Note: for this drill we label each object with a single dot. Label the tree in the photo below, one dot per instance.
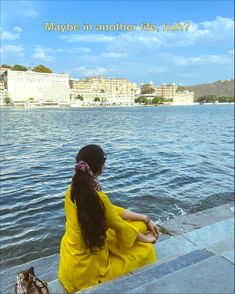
(79, 97)
(102, 90)
(181, 89)
(157, 100)
(19, 67)
(7, 100)
(225, 99)
(6, 66)
(168, 100)
(141, 99)
(31, 99)
(97, 99)
(150, 90)
(42, 68)
(214, 98)
(208, 99)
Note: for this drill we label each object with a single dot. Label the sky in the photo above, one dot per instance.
(202, 52)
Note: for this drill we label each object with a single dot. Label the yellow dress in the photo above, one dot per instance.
(79, 268)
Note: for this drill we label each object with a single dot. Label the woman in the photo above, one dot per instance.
(102, 241)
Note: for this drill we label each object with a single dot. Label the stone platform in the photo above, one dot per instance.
(195, 255)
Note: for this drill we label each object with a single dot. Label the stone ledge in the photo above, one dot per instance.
(187, 223)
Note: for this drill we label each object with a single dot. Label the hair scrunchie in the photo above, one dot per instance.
(84, 167)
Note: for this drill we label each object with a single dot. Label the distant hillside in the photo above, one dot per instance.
(219, 88)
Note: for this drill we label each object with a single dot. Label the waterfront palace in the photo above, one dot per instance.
(35, 89)
(110, 91)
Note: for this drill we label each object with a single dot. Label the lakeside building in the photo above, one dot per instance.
(167, 91)
(36, 88)
(110, 91)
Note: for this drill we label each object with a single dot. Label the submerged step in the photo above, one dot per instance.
(200, 219)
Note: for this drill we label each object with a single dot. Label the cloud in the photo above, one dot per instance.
(207, 32)
(29, 8)
(7, 50)
(80, 50)
(219, 25)
(42, 54)
(113, 55)
(10, 36)
(204, 59)
(18, 29)
(18, 11)
(215, 31)
(89, 71)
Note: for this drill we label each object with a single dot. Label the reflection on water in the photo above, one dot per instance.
(165, 161)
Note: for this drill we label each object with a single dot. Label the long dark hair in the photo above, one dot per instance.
(90, 208)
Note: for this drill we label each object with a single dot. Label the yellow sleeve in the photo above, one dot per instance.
(126, 233)
(120, 210)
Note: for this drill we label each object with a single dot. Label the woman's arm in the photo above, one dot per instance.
(130, 215)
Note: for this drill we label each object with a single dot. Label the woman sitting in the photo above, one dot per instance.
(102, 241)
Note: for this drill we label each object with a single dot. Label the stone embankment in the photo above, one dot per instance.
(195, 255)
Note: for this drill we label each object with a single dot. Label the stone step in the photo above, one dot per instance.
(172, 248)
(216, 238)
(168, 248)
(45, 269)
(211, 275)
(222, 246)
(200, 219)
(55, 287)
(208, 235)
(211, 237)
(229, 255)
(148, 275)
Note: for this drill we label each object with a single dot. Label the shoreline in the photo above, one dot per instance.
(114, 106)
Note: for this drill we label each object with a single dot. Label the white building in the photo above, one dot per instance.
(47, 88)
(184, 97)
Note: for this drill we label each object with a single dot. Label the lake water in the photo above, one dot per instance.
(165, 161)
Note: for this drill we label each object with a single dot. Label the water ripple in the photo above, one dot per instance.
(164, 161)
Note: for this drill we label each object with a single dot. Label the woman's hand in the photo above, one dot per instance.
(151, 238)
(153, 228)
